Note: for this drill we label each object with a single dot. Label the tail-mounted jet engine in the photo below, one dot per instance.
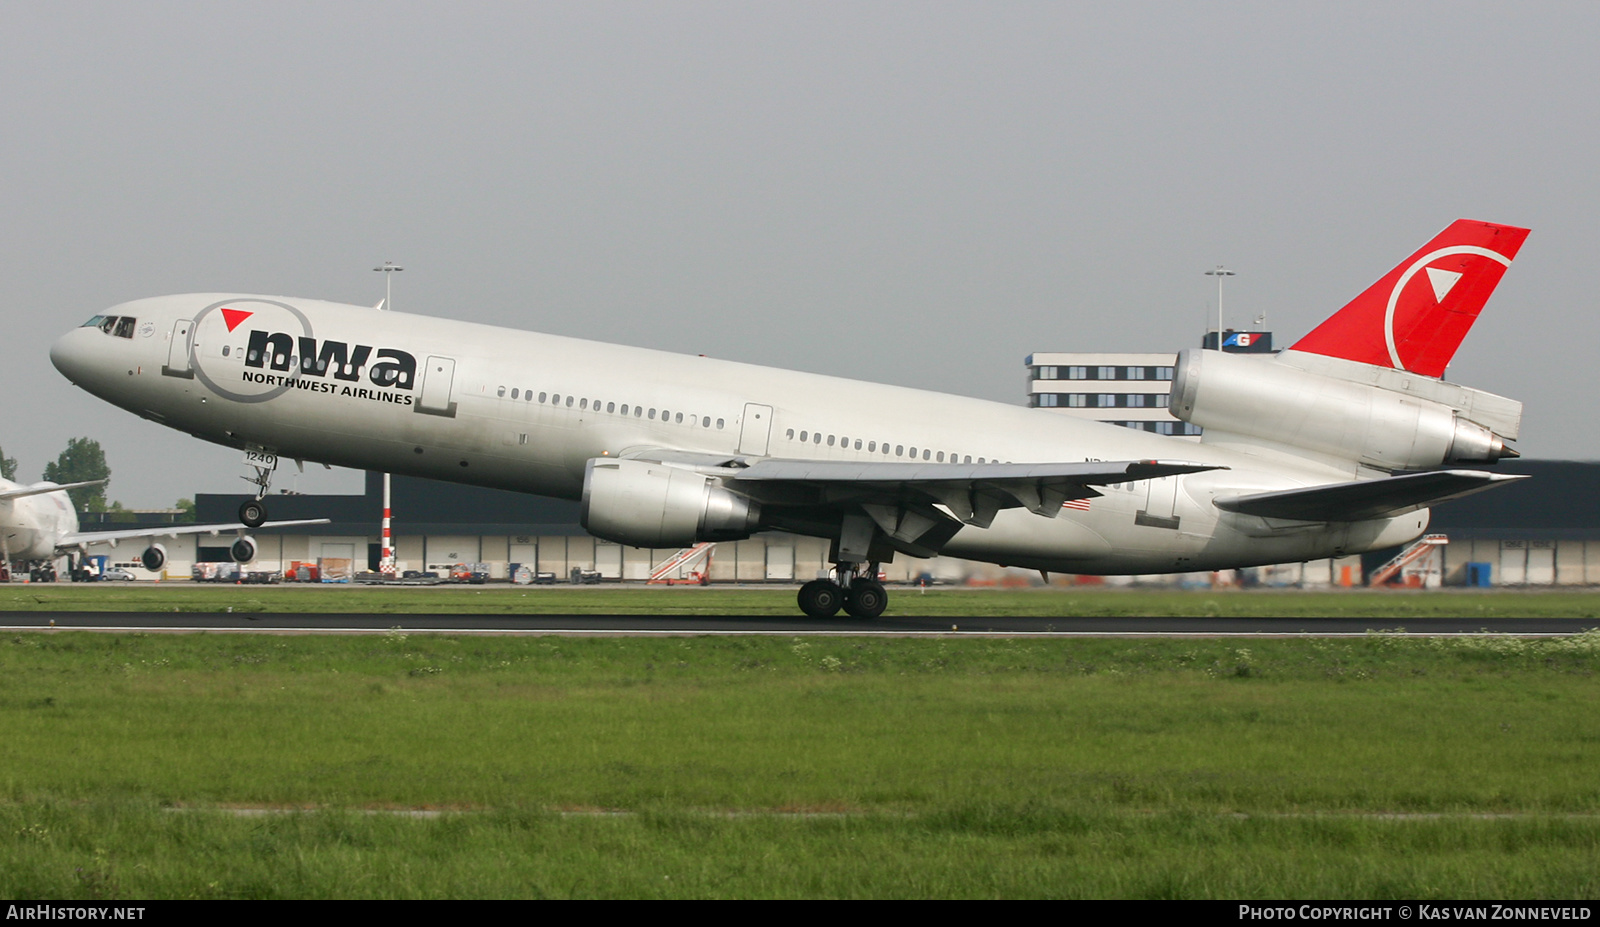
(1378, 417)
(243, 549)
(153, 558)
(645, 504)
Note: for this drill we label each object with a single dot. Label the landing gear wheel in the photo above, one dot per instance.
(821, 598)
(253, 514)
(866, 598)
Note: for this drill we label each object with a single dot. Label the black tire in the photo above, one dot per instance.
(821, 598)
(253, 514)
(866, 598)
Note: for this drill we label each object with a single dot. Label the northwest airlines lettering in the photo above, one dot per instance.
(315, 386)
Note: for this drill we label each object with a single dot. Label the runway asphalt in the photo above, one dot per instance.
(768, 624)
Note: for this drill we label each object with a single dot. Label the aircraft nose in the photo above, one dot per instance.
(72, 352)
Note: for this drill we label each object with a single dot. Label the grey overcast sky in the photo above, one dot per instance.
(919, 193)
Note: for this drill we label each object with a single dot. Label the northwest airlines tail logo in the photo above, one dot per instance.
(394, 369)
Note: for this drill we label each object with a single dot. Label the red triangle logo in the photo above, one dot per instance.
(234, 316)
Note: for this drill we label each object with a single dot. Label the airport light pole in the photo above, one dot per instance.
(1219, 273)
(386, 561)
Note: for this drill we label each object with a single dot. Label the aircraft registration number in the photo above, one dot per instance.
(260, 457)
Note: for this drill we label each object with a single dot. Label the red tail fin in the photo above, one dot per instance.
(1415, 317)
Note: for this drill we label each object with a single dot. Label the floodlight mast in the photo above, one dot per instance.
(1219, 273)
(386, 561)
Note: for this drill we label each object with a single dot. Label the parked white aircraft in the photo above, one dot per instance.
(1305, 455)
(38, 525)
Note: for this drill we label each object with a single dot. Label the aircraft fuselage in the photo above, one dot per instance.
(431, 397)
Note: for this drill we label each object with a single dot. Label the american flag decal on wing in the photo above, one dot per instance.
(1081, 505)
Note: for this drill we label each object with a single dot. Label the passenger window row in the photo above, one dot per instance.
(873, 447)
(611, 408)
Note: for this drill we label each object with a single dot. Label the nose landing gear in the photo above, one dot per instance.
(254, 513)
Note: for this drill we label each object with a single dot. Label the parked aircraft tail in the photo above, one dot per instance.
(1415, 316)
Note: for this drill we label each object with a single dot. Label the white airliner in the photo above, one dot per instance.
(1326, 449)
(38, 525)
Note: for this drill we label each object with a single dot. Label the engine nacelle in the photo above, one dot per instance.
(243, 549)
(153, 558)
(644, 504)
(1410, 423)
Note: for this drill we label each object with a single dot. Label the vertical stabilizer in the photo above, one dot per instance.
(1415, 317)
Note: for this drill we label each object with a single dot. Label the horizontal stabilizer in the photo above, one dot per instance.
(1366, 499)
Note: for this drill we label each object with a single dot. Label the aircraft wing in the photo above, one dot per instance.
(44, 488)
(1363, 499)
(973, 492)
(85, 538)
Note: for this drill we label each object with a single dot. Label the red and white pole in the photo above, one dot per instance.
(386, 563)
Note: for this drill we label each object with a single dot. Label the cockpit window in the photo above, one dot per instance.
(120, 325)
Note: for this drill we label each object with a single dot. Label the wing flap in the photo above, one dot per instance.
(1361, 500)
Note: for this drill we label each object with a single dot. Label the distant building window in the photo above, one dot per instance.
(1106, 400)
(1077, 373)
(1047, 400)
(1107, 373)
(1078, 400)
(1163, 373)
(1135, 400)
(1136, 373)
(1163, 400)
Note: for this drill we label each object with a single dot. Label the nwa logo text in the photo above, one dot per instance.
(395, 369)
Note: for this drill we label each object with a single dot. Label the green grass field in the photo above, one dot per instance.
(655, 600)
(778, 767)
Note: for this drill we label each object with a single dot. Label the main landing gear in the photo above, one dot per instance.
(858, 592)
